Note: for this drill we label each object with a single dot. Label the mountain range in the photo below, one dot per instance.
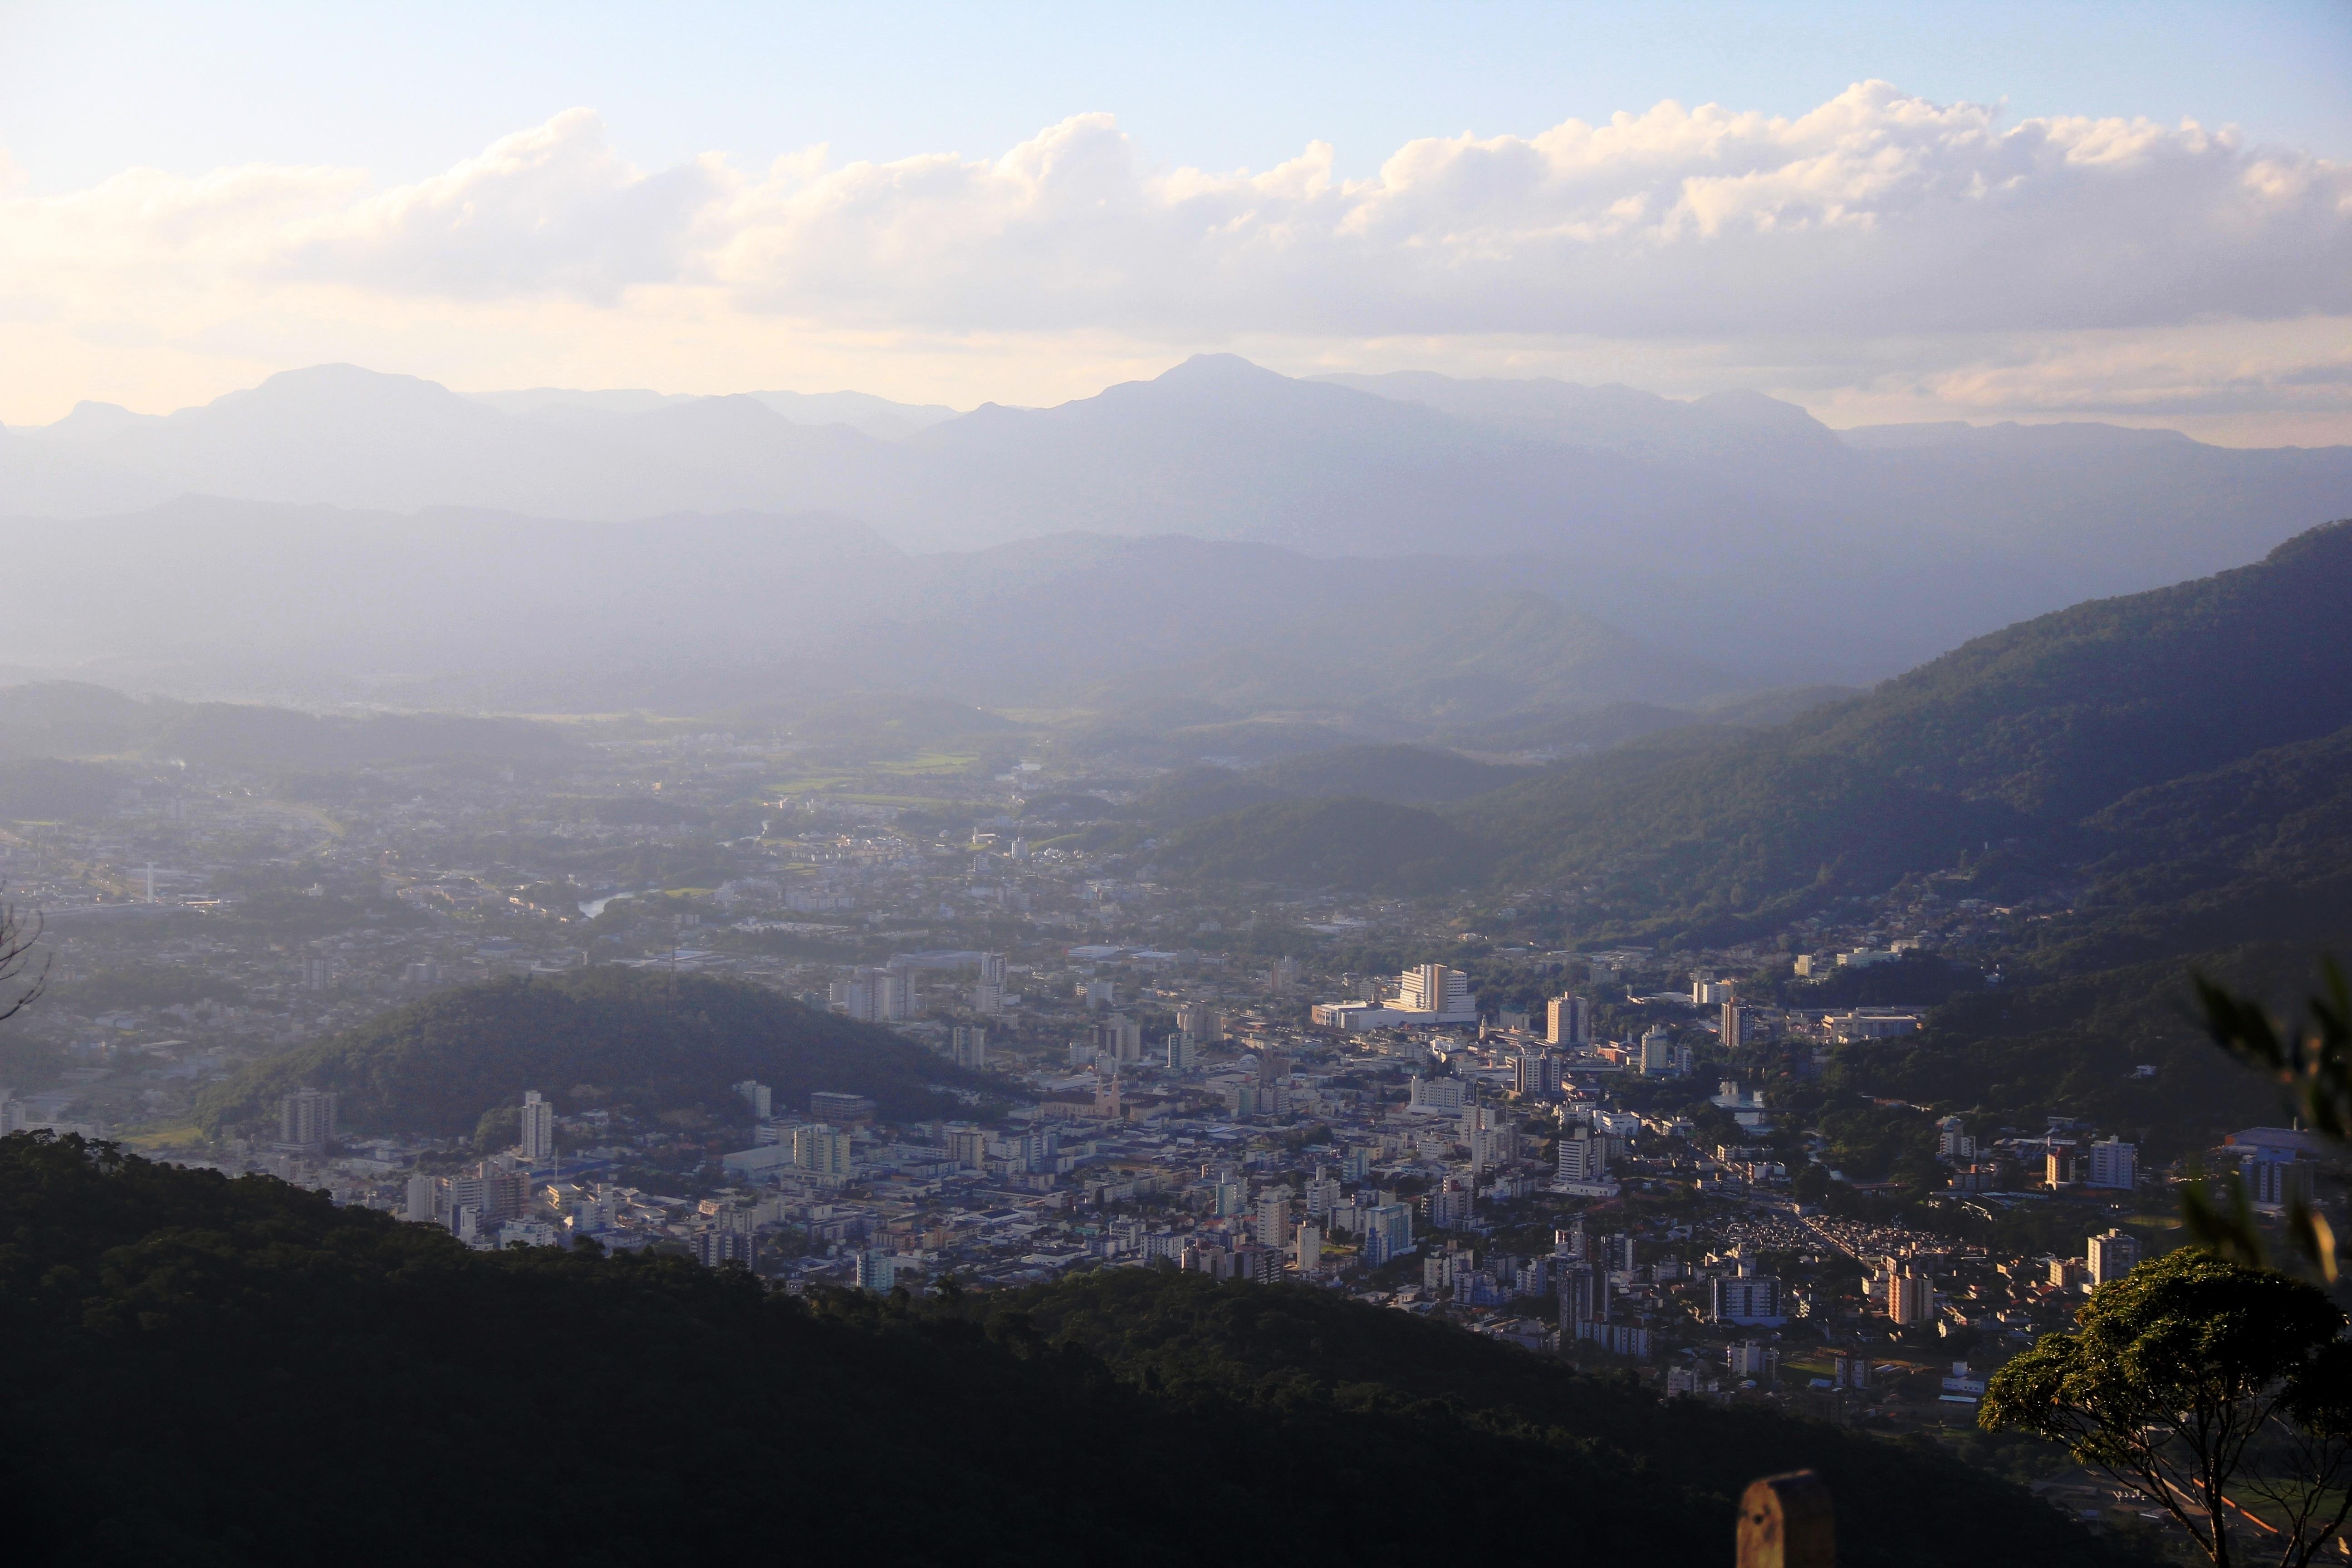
(1734, 530)
(2163, 749)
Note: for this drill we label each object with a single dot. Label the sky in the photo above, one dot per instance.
(2135, 213)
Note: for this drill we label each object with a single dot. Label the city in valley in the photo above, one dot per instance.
(1565, 1150)
(1033, 786)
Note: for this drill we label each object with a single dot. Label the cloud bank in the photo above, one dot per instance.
(1878, 249)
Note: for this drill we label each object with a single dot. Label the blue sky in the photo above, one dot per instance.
(1024, 203)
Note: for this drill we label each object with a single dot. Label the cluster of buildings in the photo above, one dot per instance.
(1173, 1097)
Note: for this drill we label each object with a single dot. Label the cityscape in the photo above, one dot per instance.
(1034, 785)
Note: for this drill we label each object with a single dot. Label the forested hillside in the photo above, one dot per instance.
(65, 718)
(636, 1039)
(260, 1378)
(2031, 742)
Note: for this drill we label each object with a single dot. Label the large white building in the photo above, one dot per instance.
(1438, 991)
(1428, 995)
(538, 1141)
(1583, 1156)
(2114, 1163)
(1441, 1094)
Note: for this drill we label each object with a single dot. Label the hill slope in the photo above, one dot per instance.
(637, 1038)
(67, 718)
(2024, 736)
(1338, 841)
(235, 1345)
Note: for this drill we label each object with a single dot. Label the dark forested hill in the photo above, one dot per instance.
(62, 719)
(615, 1036)
(2035, 736)
(1340, 841)
(218, 1372)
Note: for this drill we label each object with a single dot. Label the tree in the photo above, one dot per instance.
(18, 941)
(2311, 1057)
(2203, 1385)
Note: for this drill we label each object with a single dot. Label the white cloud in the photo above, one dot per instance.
(1678, 234)
(552, 209)
(1875, 213)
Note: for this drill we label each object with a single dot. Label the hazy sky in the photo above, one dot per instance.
(2031, 211)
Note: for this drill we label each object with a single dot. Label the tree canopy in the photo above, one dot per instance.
(2207, 1387)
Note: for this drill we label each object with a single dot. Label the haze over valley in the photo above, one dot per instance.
(758, 782)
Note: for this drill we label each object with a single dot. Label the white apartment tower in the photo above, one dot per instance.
(538, 1141)
(2114, 1163)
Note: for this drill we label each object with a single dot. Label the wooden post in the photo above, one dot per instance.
(1785, 1521)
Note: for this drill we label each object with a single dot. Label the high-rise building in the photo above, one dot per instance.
(1583, 1155)
(1388, 1233)
(538, 1121)
(1568, 1021)
(1734, 1027)
(422, 1192)
(1442, 994)
(1952, 1139)
(1910, 1297)
(852, 997)
(1323, 1196)
(1120, 1039)
(1198, 1020)
(1658, 1057)
(1583, 1295)
(1745, 1298)
(822, 1152)
(758, 1097)
(843, 1110)
(968, 1046)
(1309, 1246)
(2112, 1256)
(2114, 1163)
(991, 969)
(1273, 1222)
(305, 1122)
(1449, 1206)
(1182, 1051)
(893, 995)
(725, 1243)
(1536, 1073)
